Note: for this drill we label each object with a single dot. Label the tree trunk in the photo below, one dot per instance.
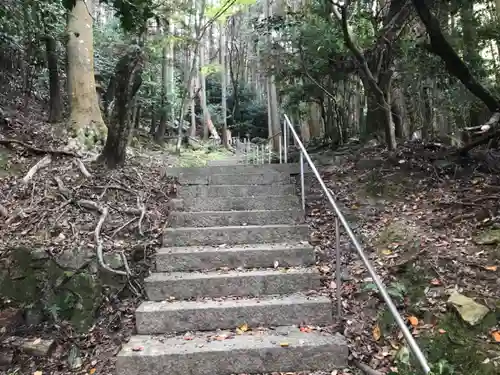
(55, 99)
(86, 120)
(160, 131)
(152, 127)
(314, 120)
(427, 128)
(128, 80)
(222, 47)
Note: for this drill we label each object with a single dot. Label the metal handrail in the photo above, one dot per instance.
(339, 216)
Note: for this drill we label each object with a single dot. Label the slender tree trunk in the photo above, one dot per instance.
(222, 50)
(55, 100)
(128, 80)
(86, 120)
(162, 128)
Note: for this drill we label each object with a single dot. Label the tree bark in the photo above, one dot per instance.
(86, 120)
(162, 127)
(55, 99)
(128, 80)
(453, 63)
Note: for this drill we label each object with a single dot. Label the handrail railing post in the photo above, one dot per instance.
(285, 142)
(245, 150)
(302, 191)
(279, 141)
(337, 268)
(376, 279)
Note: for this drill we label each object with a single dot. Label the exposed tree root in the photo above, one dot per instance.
(366, 369)
(36, 150)
(46, 160)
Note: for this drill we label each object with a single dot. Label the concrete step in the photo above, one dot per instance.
(221, 191)
(197, 258)
(283, 350)
(292, 168)
(279, 202)
(183, 316)
(235, 235)
(266, 178)
(232, 218)
(187, 285)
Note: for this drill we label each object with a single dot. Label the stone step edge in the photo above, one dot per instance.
(192, 258)
(175, 276)
(237, 248)
(204, 354)
(203, 315)
(232, 227)
(217, 303)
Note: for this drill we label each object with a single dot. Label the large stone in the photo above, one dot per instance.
(285, 202)
(194, 258)
(256, 352)
(182, 316)
(221, 191)
(187, 285)
(38, 347)
(235, 218)
(235, 235)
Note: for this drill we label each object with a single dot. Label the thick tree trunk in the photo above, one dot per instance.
(315, 120)
(128, 79)
(86, 120)
(55, 99)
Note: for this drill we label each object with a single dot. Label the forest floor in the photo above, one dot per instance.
(56, 212)
(430, 226)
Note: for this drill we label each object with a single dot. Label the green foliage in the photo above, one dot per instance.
(395, 289)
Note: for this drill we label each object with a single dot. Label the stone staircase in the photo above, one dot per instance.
(235, 255)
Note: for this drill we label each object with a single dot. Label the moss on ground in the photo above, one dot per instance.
(200, 157)
(465, 349)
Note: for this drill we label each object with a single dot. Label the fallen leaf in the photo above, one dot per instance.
(37, 341)
(386, 252)
(496, 336)
(138, 348)
(441, 331)
(413, 320)
(376, 333)
(92, 371)
(284, 344)
(491, 268)
(436, 282)
(276, 264)
(305, 329)
(242, 329)
(37, 373)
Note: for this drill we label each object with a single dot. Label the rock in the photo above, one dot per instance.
(38, 347)
(75, 258)
(33, 317)
(488, 237)
(114, 261)
(364, 164)
(6, 360)
(469, 310)
(74, 359)
(10, 318)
